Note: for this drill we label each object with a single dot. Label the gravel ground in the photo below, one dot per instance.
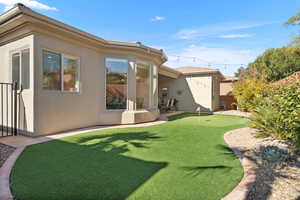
(5, 152)
(274, 180)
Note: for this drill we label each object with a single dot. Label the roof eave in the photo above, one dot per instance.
(11, 13)
(201, 72)
(20, 9)
(169, 72)
(205, 72)
(141, 46)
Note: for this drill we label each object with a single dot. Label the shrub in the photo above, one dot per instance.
(277, 112)
(274, 154)
(247, 92)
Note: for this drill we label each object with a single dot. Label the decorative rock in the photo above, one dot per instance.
(5, 152)
(266, 180)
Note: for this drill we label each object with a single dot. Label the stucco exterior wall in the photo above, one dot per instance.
(215, 93)
(227, 100)
(47, 112)
(26, 99)
(57, 111)
(191, 91)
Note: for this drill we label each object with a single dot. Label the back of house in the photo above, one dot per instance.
(69, 79)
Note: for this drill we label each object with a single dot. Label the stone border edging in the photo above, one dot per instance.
(241, 190)
(5, 174)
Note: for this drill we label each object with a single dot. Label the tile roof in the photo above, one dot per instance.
(230, 79)
(292, 78)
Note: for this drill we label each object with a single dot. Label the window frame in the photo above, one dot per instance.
(141, 62)
(213, 89)
(62, 73)
(62, 56)
(19, 51)
(105, 85)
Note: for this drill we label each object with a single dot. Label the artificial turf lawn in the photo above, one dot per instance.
(185, 158)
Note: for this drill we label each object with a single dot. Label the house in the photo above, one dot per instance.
(71, 79)
(227, 100)
(193, 87)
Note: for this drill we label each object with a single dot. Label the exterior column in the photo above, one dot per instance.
(154, 93)
(131, 85)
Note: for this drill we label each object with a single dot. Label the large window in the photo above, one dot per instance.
(70, 73)
(142, 86)
(60, 72)
(116, 83)
(20, 68)
(51, 71)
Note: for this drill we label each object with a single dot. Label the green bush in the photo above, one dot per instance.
(247, 92)
(277, 113)
(274, 154)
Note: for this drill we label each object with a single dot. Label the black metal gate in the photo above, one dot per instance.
(8, 109)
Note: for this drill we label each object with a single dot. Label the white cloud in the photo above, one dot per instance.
(231, 36)
(30, 3)
(188, 34)
(157, 18)
(214, 30)
(213, 57)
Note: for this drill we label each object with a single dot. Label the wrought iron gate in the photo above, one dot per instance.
(9, 109)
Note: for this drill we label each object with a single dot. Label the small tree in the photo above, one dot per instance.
(240, 72)
(248, 90)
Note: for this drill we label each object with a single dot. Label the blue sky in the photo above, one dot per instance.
(215, 32)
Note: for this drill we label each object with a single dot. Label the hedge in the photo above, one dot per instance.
(277, 113)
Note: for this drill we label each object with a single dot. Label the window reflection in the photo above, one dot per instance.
(60, 72)
(142, 86)
(70, 74)
(25, 69)
(16, 68)
(116, 83)
(21, 68)
(51, 71)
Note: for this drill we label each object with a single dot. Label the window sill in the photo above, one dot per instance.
(60, 92)
(116, 110)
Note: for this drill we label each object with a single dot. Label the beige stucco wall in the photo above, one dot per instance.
(58, 111)
(191, 91)
(26, 100)
(216, 93)
(48, 112)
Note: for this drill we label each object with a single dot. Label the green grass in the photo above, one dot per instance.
(185, 158)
